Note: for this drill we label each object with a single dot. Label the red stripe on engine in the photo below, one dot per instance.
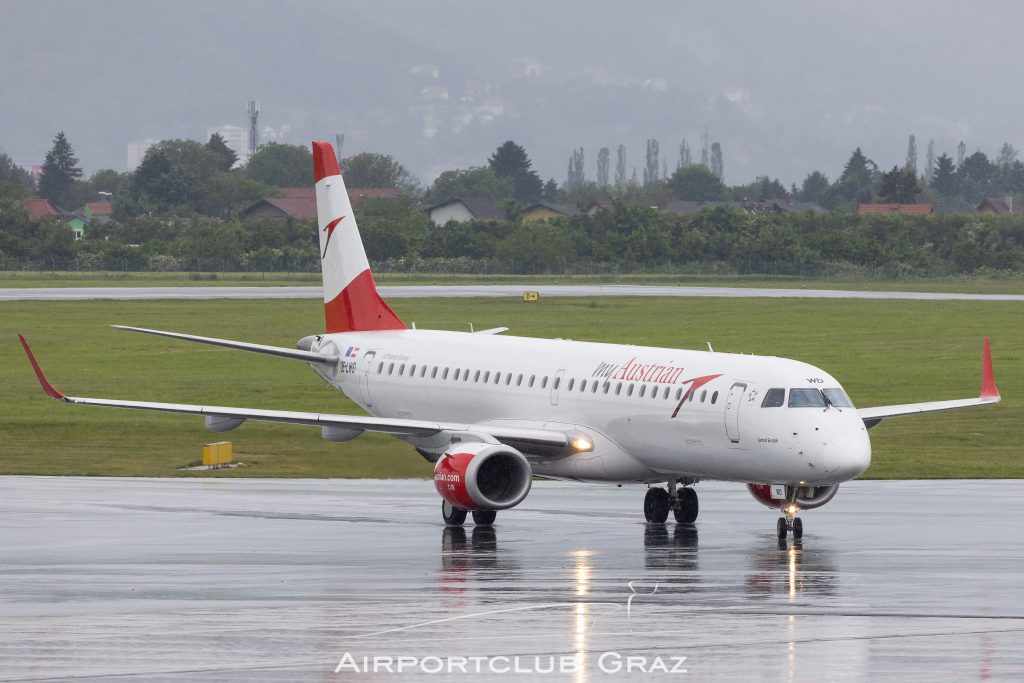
(360, 308)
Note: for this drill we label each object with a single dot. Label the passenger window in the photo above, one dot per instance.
(714, 397)
(544, 382)
(412, 370)
(629, 390)
(667, 390)
(465, 375)
(618, 388)
(508, 380)
(693, 395)
(654, 392)
(444, 375)
(703, 395)
(401, 369)
(593, 388)
(423, 371)
(380, 368)
(456, 377)
(774, 398)
(391, 368)
(568, 388)
(679, 393)
(487, 376)
(643, 388)
(583, 385)
(497, 377)
(433, 373)
(519, 380)
(806, 398)
(532, 378)
(607, 386)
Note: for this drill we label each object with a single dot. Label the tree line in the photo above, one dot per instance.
(179, 211)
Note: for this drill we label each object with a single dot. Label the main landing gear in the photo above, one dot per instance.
(681, 501)
(454, 516)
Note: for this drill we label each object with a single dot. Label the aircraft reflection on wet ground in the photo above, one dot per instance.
(281, 580)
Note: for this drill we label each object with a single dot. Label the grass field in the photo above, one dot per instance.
(967, 285)
(883, 352)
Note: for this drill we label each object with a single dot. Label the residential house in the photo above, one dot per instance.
(997, 206)
(300, 202)
(543, 211)
(462, 210)
(38, 209)
(888, 209)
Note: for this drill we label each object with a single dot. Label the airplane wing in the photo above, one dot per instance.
(233, 417)
(278, 351)
(989, 394)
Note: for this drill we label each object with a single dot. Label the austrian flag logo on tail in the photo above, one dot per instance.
(329, 229)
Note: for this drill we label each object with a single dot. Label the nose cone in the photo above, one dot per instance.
(847, 456)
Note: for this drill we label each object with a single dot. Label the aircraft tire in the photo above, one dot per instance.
(452, 515)
(688, 508)
(782, 528)
(798, 528)
(656, 505)
(484, 517)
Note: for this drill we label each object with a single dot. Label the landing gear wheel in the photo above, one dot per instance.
(798, 529)
(782, 528)
(686, 512)
(484, 517)
(656, 505)
(452, 515)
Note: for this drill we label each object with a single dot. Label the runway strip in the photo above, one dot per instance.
(461, 291)
(279, 580)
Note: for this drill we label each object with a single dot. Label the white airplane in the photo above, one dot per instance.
(494, 411)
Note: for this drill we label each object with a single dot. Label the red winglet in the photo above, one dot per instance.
(50, 390)
(988, 380)
(325, 162)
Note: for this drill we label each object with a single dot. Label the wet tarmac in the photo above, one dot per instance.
(234, 580)
(462, 291)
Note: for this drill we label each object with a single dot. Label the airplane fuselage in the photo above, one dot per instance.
(652, 413)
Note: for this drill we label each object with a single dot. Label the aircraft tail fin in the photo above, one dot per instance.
(351, 300)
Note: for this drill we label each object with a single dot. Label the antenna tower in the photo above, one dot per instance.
(254, 131)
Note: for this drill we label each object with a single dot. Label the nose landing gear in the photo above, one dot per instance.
(790, 522)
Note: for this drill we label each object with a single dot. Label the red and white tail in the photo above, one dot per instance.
(351, 301)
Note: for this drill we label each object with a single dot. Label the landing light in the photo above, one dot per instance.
(792, 509)
(582, 443)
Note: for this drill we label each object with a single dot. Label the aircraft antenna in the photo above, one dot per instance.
(709, 347)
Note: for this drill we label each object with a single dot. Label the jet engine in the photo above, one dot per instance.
(807, 497)
(481, 476)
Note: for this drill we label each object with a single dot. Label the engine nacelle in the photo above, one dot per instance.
(807, 497)
(483, 476)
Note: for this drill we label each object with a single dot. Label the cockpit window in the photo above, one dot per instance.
(773, 398)
(806, 398)
(838, 398)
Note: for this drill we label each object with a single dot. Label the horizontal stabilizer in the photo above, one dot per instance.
(280, 352)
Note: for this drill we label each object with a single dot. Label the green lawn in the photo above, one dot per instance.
(882, 351)
(969, 285)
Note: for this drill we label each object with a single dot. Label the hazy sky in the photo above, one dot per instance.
(786, 87)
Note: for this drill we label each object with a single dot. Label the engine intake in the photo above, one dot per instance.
(807, 497)
(481, 476)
